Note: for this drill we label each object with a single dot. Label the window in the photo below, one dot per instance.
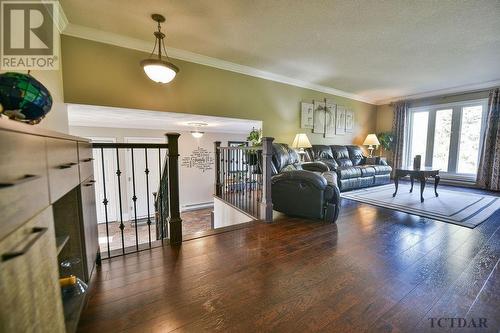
(448, 137)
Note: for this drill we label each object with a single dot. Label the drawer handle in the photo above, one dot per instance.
(88, 159)
(22, 180)
(90, 183)
(39, 233)
(67, 165)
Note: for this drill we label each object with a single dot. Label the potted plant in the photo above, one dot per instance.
(255, 139)
(386, 140)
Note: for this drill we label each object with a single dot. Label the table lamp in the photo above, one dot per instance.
(300, 142)
(370, 141)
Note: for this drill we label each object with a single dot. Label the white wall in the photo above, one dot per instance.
(225, 215)
(57, 118)
(196, 186)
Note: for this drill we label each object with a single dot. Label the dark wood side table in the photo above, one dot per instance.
(419, 174)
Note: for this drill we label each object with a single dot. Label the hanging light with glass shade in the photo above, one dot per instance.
(157, 69)
(197, 133)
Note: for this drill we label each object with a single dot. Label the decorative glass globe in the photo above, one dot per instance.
(23, 98)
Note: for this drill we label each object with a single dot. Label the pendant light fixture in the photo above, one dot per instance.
(157, 69)
(197, 133)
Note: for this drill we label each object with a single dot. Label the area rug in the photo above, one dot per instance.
(462, 208)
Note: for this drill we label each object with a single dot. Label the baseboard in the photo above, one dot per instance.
(202, 205)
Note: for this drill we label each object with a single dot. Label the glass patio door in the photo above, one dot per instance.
(448, 137)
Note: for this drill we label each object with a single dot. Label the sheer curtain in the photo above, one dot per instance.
(488, 175)
(398, 129)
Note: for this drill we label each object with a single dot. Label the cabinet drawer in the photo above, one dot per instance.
(62, 159)
(29, 288)
(23, 177)
(85, 158)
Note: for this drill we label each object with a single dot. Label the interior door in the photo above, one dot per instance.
(139, 175)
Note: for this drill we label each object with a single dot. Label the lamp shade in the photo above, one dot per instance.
(371, 140)
(159, 71)
(301, 141)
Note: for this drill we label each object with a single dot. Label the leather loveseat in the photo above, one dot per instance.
(303, 189)
(349, 163)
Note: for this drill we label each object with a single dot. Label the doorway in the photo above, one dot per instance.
(139, 183)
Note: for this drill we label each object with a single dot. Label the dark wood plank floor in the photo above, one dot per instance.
(375, 270)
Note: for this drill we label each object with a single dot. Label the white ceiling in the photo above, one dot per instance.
(375, 50)
(100, 116)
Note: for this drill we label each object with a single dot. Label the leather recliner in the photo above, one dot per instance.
(303, 189)
(349, 163)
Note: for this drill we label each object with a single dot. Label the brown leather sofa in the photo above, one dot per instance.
(349, 163)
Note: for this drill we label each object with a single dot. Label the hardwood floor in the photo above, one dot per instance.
(375, 270)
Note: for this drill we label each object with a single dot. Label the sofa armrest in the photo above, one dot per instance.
(381, 161)
(305, 176)
(314, 166)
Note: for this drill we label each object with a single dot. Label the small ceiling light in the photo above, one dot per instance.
(156, 69)
(197, 133)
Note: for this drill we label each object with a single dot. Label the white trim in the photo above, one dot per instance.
(96, 35)
(61, 19)
(198, 206)
(470, 88)
(433, 107)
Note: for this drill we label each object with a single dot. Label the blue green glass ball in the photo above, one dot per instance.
(23, 98)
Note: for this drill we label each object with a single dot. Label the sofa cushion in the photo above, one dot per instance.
(355, 154)
(367, 170)
(348, 172)
(339, 152)
(284, 157)
(381, 169)
(341, 155)
(322, 152)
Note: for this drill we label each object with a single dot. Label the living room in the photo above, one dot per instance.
(356, 181)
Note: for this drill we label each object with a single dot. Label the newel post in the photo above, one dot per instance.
(175, 226)
(266, 205)
(217, 189)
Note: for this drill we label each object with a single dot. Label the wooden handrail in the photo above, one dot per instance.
(108, 145)
(240, 148)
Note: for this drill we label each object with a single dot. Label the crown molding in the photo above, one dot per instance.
(470, 88)
(61, 20)
(145, 46)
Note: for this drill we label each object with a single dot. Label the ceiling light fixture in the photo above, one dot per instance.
(197, 133)
(156, 69)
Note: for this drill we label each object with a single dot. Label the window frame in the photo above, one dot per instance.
(456, 125)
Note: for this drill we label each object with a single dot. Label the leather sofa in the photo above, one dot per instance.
(303, 189)
(349, 163)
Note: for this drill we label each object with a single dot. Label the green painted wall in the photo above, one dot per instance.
(102, 74)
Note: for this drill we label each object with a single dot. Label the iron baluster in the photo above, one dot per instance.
(118, 175)
(134, 199)
(105, 201)
(146, 171)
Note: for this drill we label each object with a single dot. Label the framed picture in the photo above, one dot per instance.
(330, 116)
(306, 115)
(340, 128)
(349, 121)
(319, 117)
